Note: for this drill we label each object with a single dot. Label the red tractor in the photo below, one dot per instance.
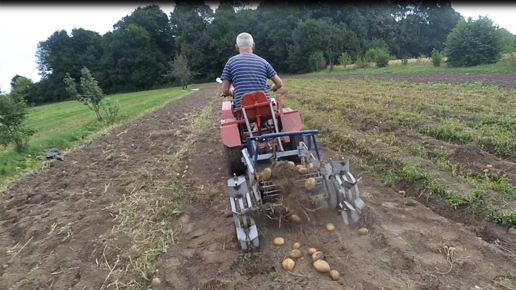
(258, 116)
(261, 130)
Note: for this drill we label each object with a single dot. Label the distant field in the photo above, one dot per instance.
(67, 124)
(456, 143)
(422, 65)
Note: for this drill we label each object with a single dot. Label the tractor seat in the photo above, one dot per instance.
(256, 104)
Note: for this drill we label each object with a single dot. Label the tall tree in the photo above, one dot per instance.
(474, 42)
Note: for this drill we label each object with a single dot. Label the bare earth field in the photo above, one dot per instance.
(149, 200)
(503, 80)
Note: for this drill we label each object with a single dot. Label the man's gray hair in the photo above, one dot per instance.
(244, 41)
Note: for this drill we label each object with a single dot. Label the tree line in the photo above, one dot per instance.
(139, 53)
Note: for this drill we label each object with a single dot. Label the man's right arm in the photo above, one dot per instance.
(227, 80)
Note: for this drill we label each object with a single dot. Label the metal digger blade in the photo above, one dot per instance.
(347, 187)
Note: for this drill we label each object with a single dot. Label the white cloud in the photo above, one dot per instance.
(501, 14)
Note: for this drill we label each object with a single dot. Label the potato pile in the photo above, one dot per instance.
(317, 259)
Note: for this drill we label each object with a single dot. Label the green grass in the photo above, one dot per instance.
(66, 125)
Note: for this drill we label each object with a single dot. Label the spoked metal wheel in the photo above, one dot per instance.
(332, 193)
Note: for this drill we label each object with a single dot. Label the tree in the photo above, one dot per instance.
(180, 70)
(13, 111)
(473, 43)
(94, 96)
(13, 81)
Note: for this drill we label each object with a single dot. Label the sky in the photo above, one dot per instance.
(22, 27)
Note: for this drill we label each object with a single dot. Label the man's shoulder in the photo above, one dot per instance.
(246, 57)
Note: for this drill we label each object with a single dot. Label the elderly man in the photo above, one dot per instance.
(247, 72)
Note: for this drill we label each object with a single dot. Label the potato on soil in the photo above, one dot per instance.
(334, 275)
(363, 231)
(295, 218)
(294, 254)
(266, 174)
(297, 246)
(311, 167)
(322, 266)
(292, 165)
(330, 227)
(279, 241)
(312, 251)
(310, 183)
(317, 256)
(156, 281)
(288, 264)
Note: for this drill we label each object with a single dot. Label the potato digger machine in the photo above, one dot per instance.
(262, 130)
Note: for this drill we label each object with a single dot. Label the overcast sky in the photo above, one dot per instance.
(22, 27)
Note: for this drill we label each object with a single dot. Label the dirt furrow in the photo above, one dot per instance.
(59, 214)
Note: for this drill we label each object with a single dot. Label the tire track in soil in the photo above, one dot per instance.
(403, 250)
(59, 213)
(503, 80)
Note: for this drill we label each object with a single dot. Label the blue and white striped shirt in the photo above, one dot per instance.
(248, 73)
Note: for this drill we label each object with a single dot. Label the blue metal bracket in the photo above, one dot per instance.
(308, 133)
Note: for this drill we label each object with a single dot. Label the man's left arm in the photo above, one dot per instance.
(273, 76)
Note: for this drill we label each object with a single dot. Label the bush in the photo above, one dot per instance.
(380, 56)
(473, 43)
(437, 58)
(317, 61)
(13, 111)
(345, 59)
(360, 62)
(404, 61)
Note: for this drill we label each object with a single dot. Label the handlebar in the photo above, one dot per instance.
(269, 87)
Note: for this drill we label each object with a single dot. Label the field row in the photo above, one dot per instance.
(394, 130)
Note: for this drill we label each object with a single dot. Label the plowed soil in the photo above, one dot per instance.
(52, 222)
(502, 80)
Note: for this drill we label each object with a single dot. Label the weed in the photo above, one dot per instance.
(506, 219)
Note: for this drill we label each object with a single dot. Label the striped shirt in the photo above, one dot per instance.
(248, 73)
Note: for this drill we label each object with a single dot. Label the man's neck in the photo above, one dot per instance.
(246, 51)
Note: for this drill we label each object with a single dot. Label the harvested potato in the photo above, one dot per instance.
(292, 165)
(297, 246)
(295, 218)
(311, 251)
(317, 256)
(363, 231)
(266, 174)
(294, 254)
(156, 281)
(302, 170)
(310, 183)
(322, 266)
(288, 264)
(330, 227)
(311, 167)
(279, 241)
(334, 275)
